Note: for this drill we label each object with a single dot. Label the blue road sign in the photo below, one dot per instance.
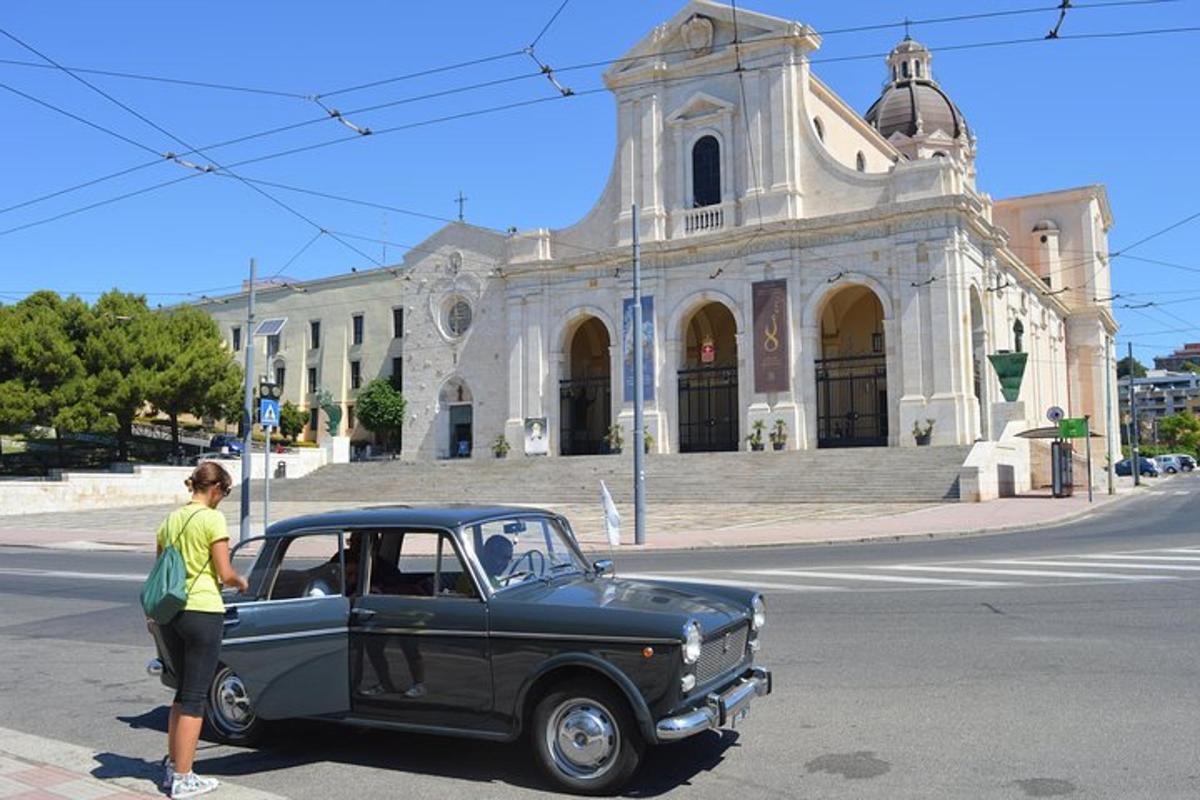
(268, 413)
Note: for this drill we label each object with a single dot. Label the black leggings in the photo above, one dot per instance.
(193, 641)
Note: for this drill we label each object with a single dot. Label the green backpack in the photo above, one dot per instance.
(165, 591)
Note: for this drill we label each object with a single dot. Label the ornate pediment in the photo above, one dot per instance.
(700, 107)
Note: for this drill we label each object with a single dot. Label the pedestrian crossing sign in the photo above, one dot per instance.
(268, 413)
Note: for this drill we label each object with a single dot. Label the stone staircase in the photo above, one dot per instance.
(863, 475)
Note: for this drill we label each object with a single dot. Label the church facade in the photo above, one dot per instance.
(806, 269)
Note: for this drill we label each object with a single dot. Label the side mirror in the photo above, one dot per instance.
(603, 567)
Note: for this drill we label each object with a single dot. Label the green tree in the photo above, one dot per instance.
(291, 420)
(121, 350)
(381, 408)
(191, 371)
(1129, 362)
(1180, 431)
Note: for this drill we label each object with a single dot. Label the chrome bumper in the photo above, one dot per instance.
(154, 668)
(718, 710)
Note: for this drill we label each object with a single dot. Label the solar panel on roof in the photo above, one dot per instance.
(270, 327)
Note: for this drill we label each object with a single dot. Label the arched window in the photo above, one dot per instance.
(1018, 337)
(904, 69)
(940, 154)
(706, 172)
(860, 162)
(820, 126)
(917, 67)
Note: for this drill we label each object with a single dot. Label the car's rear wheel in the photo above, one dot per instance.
(230, 717)
(585, 738)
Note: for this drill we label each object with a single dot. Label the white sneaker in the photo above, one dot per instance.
(415, 691)
(189, 784)
(168, 775)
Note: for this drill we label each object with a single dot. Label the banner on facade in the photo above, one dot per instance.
(536, 441)
(771, 361)
(647, 348)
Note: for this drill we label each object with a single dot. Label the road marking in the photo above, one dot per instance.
(677, 577)
(1189, 550)
(1091, 564)
(58, 573)
(860, 576)
(1027, 572)
(1181, 493)
(1125, 557)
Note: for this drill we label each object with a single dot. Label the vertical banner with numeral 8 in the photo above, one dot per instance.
(771, 360)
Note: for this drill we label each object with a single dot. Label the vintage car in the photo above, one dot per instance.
(485, 622)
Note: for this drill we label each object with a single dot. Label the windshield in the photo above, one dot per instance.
(512, 551)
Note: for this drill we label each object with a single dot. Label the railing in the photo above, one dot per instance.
(699, 220)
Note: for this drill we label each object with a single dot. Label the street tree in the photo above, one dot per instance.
(1180, 431)
(123, 343)
(192, 371)
(1128, 363)
(291, 420)
(381, 408)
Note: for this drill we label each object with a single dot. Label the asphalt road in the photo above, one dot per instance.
(1053, 663)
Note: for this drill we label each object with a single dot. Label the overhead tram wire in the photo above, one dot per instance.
(609, 62)
(521, 104)
(172, 136)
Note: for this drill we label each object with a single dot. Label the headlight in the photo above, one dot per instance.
(760, 612)
(691, 643)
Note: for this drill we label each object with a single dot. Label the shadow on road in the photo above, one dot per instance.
(299, 743)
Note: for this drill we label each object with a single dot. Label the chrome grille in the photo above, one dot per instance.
(722, 653)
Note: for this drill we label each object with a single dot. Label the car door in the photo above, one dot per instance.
(418, 633)
(288, 640)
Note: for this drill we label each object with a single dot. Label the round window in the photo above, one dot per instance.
(458, 319)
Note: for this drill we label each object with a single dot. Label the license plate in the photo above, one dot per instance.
(739, 717)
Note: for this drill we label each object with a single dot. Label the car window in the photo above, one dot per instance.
(417, 564)
(307, 566)
(514, 550)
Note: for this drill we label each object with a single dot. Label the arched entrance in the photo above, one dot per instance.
(852, 402)
(978, 340)
(708, 382)
(458, 415)
(585, 396)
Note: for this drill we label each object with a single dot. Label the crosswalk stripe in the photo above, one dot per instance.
(1035, 573)
(53, 573)
(1189, 550)
(684, 578)
(1180, 493)
(1091, 564)
(859, 576)
(1124, 557)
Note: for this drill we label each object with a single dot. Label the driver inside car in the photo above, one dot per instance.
(496, 554)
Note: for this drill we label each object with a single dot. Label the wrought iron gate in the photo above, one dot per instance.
(708, 409)
(852, 402)
(585, 412)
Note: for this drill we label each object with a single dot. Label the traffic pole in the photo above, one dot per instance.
(1089, 455)
(1108, 414)
(266, 476)
(639, 410)
(247, 412)
(1135, 461)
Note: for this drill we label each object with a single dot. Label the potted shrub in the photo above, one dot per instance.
(778, 435)
(647, 440)
(922, 433)
(756, 438)
(500, 446)
(614, 440)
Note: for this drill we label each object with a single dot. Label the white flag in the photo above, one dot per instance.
(612, 519)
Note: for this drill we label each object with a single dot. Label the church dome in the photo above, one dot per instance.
(912, 103)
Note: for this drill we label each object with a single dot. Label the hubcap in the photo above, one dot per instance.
(230, 703)
(582, 738)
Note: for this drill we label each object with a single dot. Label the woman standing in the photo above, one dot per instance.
(193, 636)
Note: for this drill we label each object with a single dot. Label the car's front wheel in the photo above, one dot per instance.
(228, 712)
(585, 738)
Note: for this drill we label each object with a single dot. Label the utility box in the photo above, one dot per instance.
(1062, 469)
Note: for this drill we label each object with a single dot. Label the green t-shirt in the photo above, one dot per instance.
(195, 545)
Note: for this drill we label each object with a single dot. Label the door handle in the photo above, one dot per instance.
(362, 614)
(231, 618)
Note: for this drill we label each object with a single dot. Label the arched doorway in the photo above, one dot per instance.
(458, 415)
(978, 340)
(852, 402)
(585, 395)
(708, 382)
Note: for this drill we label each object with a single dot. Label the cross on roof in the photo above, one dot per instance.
(461, 200)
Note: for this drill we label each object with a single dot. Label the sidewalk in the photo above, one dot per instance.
(669, 527)
(37, 768)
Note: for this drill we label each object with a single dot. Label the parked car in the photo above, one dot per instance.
(226, 442)
(1169, 464)
(486, 622)
(216, 455)
(1181, 461)
(1148, 467)
(1189, 463)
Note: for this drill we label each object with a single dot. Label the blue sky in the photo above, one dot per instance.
(1049, 115)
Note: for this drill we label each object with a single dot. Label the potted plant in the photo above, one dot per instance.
(500, 446)
(614, 440)
(778, 435)
(756, 438)
(647, 440)
(922, 433)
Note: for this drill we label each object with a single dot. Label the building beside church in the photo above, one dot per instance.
(840, 272)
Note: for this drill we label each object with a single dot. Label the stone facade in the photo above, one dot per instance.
(898, 277)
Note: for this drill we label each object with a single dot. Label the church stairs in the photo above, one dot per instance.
(865, 475)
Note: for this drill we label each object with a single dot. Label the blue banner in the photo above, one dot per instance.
(647, 348)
